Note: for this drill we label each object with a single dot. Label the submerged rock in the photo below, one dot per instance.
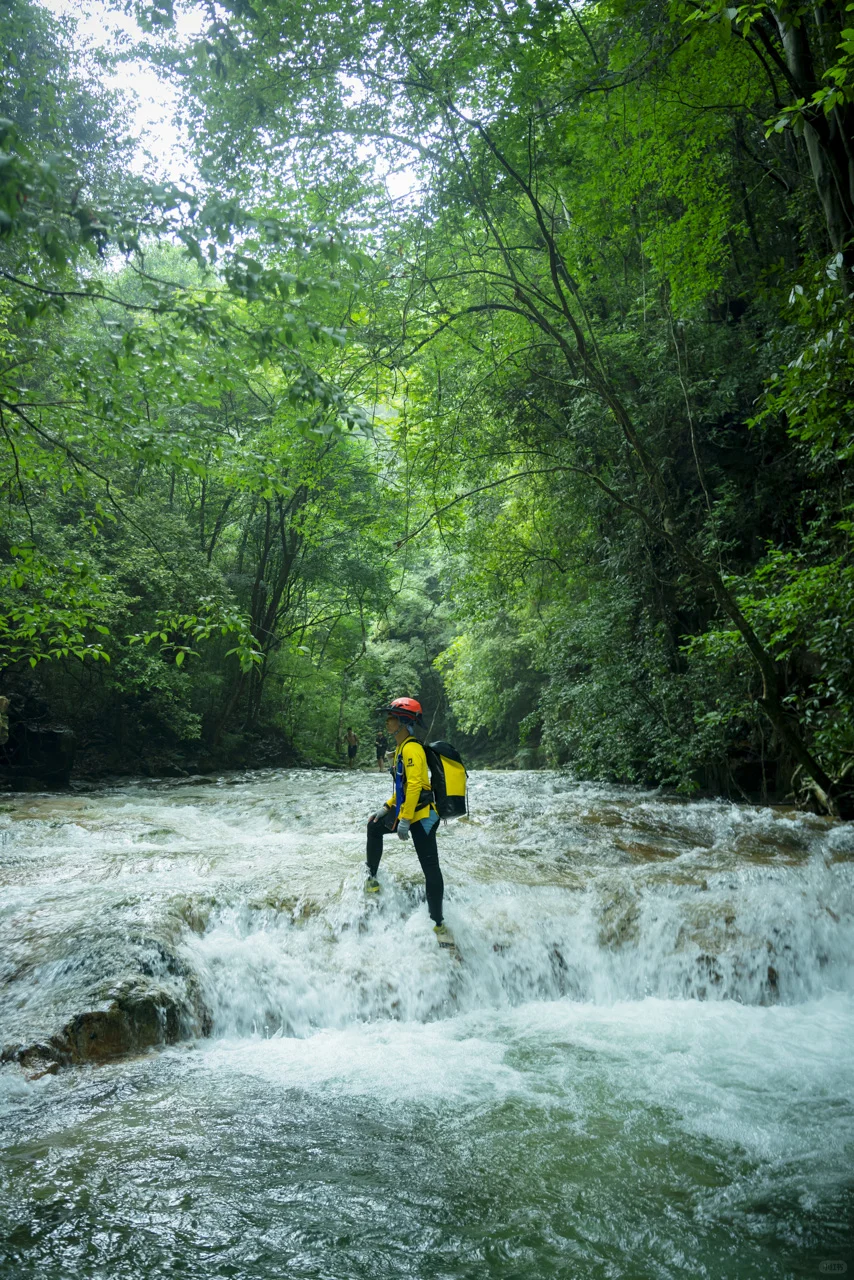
(619, 919)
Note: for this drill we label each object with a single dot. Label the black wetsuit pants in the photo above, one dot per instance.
(428, 856)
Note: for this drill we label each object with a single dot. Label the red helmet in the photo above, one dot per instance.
(406, 709)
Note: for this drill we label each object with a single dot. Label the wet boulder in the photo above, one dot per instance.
(135, 1015)
(140, 1016)
(36, 1059)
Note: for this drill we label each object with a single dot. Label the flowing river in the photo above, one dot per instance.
(223, 1060)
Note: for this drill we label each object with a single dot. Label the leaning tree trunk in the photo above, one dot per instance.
(835, 798)
(564, 321)
(829, 138)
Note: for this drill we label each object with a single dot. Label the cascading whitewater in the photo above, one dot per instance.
(642, 1063)
(758, 936)
(241, 904)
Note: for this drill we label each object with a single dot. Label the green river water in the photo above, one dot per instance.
(642, 1065)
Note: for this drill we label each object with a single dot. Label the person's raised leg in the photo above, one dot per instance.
(428, 856)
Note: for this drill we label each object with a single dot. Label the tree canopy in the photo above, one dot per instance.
(497, 351)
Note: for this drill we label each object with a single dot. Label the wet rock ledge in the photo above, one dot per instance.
(135, 1015)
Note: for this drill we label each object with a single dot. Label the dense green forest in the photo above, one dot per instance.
(495, 353)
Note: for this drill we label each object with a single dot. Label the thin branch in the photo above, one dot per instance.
(78, 461)
(583, 31)
(11, 444)
(78, 293)
(523, 475)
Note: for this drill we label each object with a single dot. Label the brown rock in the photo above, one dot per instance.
(136, 1015)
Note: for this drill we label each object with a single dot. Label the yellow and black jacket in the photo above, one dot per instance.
(411, 780)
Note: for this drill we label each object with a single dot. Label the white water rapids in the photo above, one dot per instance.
(642, 1063)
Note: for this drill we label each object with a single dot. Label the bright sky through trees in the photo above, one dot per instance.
(162, 147)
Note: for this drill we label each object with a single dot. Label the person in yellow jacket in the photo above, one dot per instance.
(410, 811)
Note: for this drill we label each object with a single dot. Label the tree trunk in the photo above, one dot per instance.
(829, 138)
(230, 708)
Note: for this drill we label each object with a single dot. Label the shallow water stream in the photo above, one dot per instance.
(640, 1065)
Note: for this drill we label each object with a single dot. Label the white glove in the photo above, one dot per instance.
(381, 814)
(403, 829)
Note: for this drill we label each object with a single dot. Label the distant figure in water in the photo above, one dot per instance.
(382, 748)
(352, 748)
(410, 811)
